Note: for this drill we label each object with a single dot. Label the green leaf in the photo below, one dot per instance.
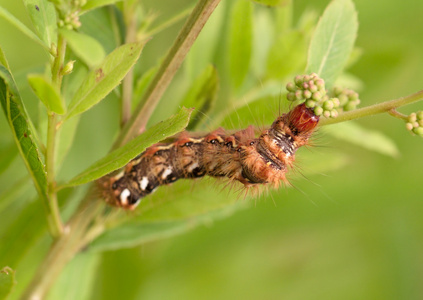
(87, 48)
(43, 16)
(47, 93)
(3, 59)
(86, 266)
(18, 120)
(25, 30)
(7, 281)
(173, 211)
(273, 2)
(363, 137)
(137, 233)
(287, 54)
(104, 79)
(8, 154)
(91, 4)
(141, 85)
(201, 95)
(333, 41)
(120, 157)
(240, 42)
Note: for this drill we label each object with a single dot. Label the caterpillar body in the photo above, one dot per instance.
(239, 157)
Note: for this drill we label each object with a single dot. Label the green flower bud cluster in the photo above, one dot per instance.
(311, 89)
(348, 99)
(70, 21)
(415, 123)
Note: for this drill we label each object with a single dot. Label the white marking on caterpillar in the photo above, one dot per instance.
(192, 167)
(124, 196)
(167, 172)
(144, 183)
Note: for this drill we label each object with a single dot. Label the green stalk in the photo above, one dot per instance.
(128, 81)
(167, 70)
(54, 219)
(384, 107)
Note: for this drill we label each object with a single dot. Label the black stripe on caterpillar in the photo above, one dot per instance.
(238, 157)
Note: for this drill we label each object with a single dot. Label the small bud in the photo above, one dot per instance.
(409, 126)
(299, 95)
(343, 99)
(326, 114)
(291, 96)
(318, 111)
(316, 96)
(336, 102)
(310, 103)
(298, 80)
(68, 68)
(290, 87)
(333, 113)
(418, 131)
(412, 117)
(307, 94)
(328, 105)
(415, 124)
(349, 106)
(313, 88)
(420, 115)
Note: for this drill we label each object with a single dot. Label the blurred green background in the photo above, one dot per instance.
(352, 233)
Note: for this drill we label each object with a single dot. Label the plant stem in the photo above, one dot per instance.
(127, 84)
(63, 250)
(54, 219)
(374, 109)
(167, 70)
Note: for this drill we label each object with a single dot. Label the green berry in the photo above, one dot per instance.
(299, 95)
(336, 102)
(420, 115)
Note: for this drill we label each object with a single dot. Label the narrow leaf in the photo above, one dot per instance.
(7, 281)
(47, 93)
(19, 25)
(123, 155)
(137, 233)
(202, 95)
(104, 79)
(18, 120)
(86, 265)
(87, 48)
(91, 4)
(240, 42)
(3, 59)
(363, 137)
(43, 16)
(173, 211)
(8, 154)
(333, 40)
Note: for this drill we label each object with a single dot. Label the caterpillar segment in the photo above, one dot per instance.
(239, 157)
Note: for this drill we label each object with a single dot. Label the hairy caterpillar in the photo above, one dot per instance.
(239, 157)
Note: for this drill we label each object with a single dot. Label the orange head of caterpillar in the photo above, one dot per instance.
(302, 120)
